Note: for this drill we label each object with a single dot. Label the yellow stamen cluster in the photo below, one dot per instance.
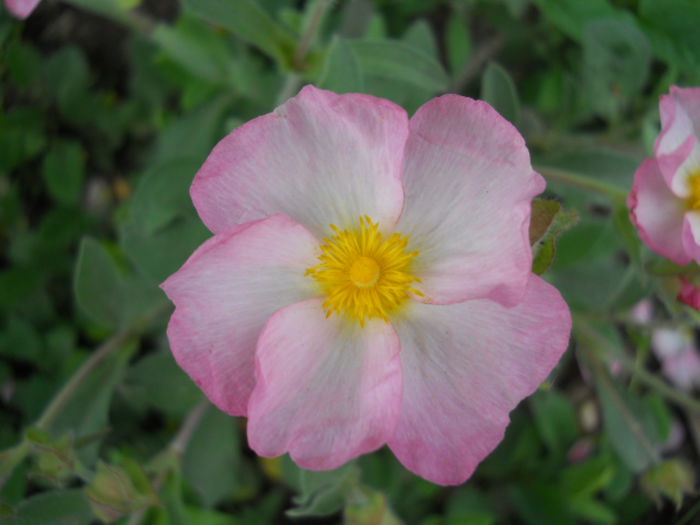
(694, 184)
(363, 274)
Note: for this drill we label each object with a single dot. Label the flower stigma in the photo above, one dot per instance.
(364, 274)
(693, 201)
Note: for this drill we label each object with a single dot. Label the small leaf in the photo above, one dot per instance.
(59, 507)
(98, 285)
(672, 479)
(543, 213)
(64, 170)
(369, 507)
(324, 492)
(498, 89)
(548, 221)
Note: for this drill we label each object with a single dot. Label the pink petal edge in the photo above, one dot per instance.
(320, 158)
(326, 391)
(225, 293)
(466, 366)
(21, 8)
(468, 186)
(657, 213)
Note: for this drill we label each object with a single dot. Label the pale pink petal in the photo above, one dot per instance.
(465, 367)
(225, 293)
(326, 390)
(321, 158)
(21, 8)
(677, 147)
(468, 186)
(683, 369)
(691, 234)
(657, 213)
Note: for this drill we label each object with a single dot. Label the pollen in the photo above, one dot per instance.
(693, 200)
(363, 273)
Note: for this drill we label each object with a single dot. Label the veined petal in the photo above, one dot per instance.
(465, 367)
(225, 293)
(658, 213)
(21, 8)
(468, 187)
(321, 159)
(326, 390)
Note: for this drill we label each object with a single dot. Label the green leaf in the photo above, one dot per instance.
(628, 423)
(400, 62)
(98, 285)
(179, 140)
(193, 45)
(588, 478)
(63, 170)
(162, 229)
(616, 63)
(459, 45)
(212, 460)
(672, 27)
(324, 492)
(156, 381)
(570, 16)
(59, 507)
(555, 420)
(498, 89)
(248, 21)
(420, 36)
(341, 72)
(548, 221)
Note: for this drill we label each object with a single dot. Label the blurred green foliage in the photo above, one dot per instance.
(108, 109)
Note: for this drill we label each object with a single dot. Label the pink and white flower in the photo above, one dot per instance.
(676, 350)
(21, 8)
(665, 198)
(368, 282)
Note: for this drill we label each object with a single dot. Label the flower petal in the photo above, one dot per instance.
(691, 235)
(658, 213)
(468, 187)
(465, 367)
(326, 390)
(321, 158)
(677, 146)
(21, 8)
(224, 295)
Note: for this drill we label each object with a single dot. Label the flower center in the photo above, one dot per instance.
(694, 184)
(364, 274)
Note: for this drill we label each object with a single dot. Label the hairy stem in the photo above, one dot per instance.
(581, 181)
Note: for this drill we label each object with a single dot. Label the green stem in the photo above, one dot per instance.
(581, 181)
(309, 36)
(66, 393)
(176, 448)
(292, 82)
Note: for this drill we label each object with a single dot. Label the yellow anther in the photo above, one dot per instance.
(363, 274)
